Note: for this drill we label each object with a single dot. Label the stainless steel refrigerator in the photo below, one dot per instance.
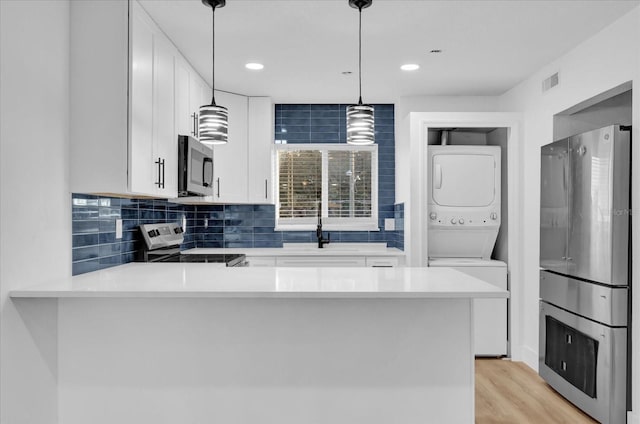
(585, 273)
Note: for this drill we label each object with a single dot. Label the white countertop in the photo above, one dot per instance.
(197, 280)
(309, 249)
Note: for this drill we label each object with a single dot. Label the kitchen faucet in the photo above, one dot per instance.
(321, 241)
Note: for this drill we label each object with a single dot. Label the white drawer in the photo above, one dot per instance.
(382, 262)
(261, 260)
(324, 261)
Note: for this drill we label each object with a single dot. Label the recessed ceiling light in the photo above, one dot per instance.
(254, 66)
(410, 67)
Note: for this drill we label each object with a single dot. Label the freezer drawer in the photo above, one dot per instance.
(585, 362)
(605, 304)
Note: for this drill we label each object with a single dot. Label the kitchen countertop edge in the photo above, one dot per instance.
(197, 280)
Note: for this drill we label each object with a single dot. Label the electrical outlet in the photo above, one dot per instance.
(118, 228)
(389, 224)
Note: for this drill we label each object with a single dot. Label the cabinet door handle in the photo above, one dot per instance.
(265, 189)
(195, 124)
(218, 182)
(162, 174)
(159, 163)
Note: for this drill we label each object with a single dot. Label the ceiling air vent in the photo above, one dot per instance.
(550, 82)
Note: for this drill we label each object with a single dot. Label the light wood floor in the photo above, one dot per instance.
(512, 393)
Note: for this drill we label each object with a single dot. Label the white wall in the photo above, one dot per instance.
(34, 200)
(605, 61)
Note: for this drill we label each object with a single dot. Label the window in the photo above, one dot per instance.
(338, 181)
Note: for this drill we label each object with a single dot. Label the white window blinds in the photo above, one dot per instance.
(300, 183)
(335, 180)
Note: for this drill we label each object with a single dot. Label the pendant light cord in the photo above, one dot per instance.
(213, 55)
(360, 53)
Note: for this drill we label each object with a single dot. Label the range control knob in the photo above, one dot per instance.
(433, 216)
(453, 221)
(461, 221)
(494, 216)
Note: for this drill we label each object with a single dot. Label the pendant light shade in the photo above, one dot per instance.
(360, 119)
(213, 124)
(360, 124)
(213, 120)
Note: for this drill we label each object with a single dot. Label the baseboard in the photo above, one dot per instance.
(530, 357)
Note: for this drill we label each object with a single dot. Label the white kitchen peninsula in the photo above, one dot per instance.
(195, 343)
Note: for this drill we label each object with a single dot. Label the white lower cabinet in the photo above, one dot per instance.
(320, 261)
(261, 260)
(324, 261)
(382, 262)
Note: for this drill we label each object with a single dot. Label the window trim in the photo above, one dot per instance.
(328, 224)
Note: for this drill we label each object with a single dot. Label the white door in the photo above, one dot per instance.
(260, 145)
(184, 121)
(143, 172)
(230, 163)
(196, 88)
(164, 134)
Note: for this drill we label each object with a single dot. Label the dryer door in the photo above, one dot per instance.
(466, 180)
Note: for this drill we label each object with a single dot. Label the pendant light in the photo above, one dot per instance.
(213, 120)
(360, 117)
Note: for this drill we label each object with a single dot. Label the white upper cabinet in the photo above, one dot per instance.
(243, 168)
(123, 134)
(261, 156)
(133, 93)
(142, 172)
(184, 119)
(191, 93)
(164, 131)
(230, 165)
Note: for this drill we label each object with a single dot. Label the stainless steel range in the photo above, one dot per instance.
(163, 245)
(585, 276)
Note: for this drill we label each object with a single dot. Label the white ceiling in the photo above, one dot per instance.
(488, 46)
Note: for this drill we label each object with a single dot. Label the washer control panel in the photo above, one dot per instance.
(469, 219)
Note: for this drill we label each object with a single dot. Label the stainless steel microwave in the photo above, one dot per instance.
(195, 168)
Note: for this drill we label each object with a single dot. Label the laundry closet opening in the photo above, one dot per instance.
(467, 218)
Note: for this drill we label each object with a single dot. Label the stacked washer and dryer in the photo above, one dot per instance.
(464, 219)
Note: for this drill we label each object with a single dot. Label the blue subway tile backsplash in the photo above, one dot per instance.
(243, 226)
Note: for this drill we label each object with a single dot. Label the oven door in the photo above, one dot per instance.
(585, 362)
